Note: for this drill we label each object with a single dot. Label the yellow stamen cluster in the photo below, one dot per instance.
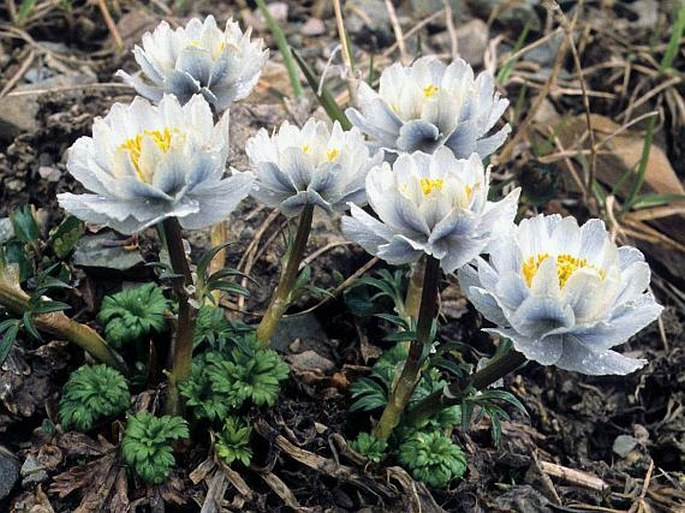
(134, 146)
(428, 185)
(430, 90)
(305, 148)
(566, 266)
(332, 154)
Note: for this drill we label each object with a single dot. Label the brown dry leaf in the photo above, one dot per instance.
(32, 502)
(621, 154)
(174, 490)
(75, 444)
(417, 497)
(98, 480)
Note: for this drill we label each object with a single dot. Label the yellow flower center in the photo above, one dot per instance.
(216, 52)
(430, 90)
(428, 185)
(332, 154)
(134, 147)
(566, 266)
(305, 148)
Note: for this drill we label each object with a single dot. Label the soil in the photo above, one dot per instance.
(586, 444)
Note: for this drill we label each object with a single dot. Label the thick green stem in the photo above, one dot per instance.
(411, 372)
(16, 301)
(412, 302)
(281, 298)
(182, 350)
(455, 393)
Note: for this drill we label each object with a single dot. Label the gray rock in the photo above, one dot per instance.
(9, 471)
(313, 27)
(6, 230)
(304, 327)
(19, 109)
(104, 250)
(32, 471)
(624, 444)
(17, 115)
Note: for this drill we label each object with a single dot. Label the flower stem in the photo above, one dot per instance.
(480, 380)
(16, 301)
(281, 298)
(182, 349)
(412, 301)
(411, 372)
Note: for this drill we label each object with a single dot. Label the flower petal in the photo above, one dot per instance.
(576, 357)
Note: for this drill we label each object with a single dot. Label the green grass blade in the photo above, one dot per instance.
(283, 47)
(674, 41)
(325, 98)
(642, 168)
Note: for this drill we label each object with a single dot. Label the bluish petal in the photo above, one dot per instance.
(151, 92)
(197, 62)
(486, 304)
(539, 315)
(625, 321)
(545, 351)
(365, 230)
(418, 135)
(628, 255)
(489, 145)
(182, 85)
(462, 140)
(634, 281)
(576, 357)
(217, 202)
(511, 291)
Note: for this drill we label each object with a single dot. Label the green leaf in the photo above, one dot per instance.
(8, 334)
(24, 224)
(325, 97)
(93, 392)
(63, 239)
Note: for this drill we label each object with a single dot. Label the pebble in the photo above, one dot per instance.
(313, 27)
(9, 471)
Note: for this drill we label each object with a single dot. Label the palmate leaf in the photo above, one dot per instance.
(233, 442)
(133, 313)
(93, 392)
(146, 444)
(369, 394)
(432, 458)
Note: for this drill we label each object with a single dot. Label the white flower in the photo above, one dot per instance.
(428, 105)
(198, 58)
(433, 204)
(313, 165)
(145, 163)
(565, 295)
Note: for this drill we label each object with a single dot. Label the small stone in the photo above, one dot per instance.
(313, 27)
(277, 10)
(104, 250)
(6, 230)
(49, 174)
(624, 444)
(32, 471)
(17, 115)
(9, 471)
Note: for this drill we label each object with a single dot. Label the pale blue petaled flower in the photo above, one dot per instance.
(223, 66)
(564, 294)
(430, 204)
(428, 105)
(314, 165)
(145, 163)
